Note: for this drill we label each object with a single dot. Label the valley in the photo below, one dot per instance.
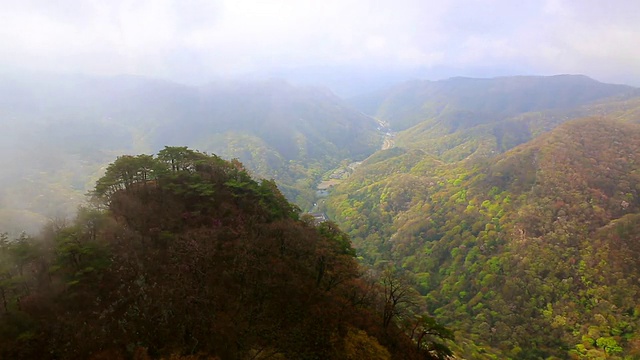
(320, 180)
(509, 205)
(70, 127)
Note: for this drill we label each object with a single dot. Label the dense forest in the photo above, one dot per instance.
(518, 225)
(533, 253)
(184, 256)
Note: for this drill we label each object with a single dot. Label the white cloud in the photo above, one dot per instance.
(200, 38)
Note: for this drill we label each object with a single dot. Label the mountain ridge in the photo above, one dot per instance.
(412, 102)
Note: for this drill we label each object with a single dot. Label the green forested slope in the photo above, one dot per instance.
(461, 135)
(531, 254)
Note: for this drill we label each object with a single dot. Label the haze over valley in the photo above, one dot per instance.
(351, 180)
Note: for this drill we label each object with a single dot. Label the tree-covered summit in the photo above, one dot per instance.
(185, 256)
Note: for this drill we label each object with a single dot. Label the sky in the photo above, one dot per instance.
(196, 41)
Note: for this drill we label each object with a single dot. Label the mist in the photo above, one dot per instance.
(82, 83)
(196, 42)
(231, 179)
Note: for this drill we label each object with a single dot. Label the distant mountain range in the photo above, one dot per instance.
(67, 127)
(167, 112)
(415, 102)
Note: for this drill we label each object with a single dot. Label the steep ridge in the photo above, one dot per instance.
(529, 254)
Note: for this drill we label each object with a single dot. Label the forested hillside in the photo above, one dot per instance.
(185, 256)
(532, 253)
(63, 130)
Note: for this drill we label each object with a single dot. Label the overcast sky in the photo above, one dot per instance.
(198, 40)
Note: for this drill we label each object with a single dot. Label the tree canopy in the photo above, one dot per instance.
(184, 256)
